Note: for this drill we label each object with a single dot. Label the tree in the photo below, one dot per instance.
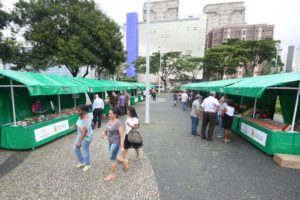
(169, 65)
(71, 33)
(221, 60)
(191, 64)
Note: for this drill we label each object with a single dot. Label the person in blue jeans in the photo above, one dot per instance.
(195, 114)
(83, 139)
(115, 136)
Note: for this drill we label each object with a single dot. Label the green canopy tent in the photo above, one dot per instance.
(96, 85)
(17, 88)
(257, 86)
(193, 86)
(264, 90)
(39, 85)
(218, 86)
(141, 85)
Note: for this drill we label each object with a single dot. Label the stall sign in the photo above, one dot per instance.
(50, 130)
(254, 133)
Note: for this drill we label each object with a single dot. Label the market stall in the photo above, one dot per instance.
(259, 126)
(100, 87)
(35, 108)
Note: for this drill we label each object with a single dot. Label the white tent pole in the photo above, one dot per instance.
(296, 107)
(254, 110)
(13, 102)
(74, 102)
(59, 107)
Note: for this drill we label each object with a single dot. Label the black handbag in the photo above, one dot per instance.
(134, 136)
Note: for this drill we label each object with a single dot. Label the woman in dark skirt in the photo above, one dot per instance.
(131, 122)
(227, 120)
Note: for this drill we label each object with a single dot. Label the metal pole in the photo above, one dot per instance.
(242, 99)
(74, 102)
(159, 72)
(147, 63)
(254, 107)
(13, 102)
(296, 107)
(59, 108)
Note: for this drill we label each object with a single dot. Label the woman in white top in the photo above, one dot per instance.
(227, 119)
(131, 122)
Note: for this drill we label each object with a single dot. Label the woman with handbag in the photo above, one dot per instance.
(132, 122)
(115, 134)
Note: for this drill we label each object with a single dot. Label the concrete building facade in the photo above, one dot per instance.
(222, 14)
(297, 60)
(239, 31)
(184, 35)
(289, 59)
(162, 10)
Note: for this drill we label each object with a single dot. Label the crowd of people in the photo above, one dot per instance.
(118, 143)
(211, 111)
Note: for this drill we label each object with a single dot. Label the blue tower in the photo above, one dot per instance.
(131, 43)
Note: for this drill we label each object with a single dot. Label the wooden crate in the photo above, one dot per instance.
(286, 160)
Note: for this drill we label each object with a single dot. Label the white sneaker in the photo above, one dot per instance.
(87, 167)
(79, 165)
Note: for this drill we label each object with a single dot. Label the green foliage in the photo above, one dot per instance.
(248, 54)
(71, 33)
(170, 63)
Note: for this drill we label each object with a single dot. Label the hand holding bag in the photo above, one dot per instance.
(134, 136)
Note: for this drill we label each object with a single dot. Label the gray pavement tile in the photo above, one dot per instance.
(49, 172)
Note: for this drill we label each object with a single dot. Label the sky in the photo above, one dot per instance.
(284, 14)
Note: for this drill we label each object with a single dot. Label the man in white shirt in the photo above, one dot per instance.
(210, 106)
(98, 106)
(184, 98)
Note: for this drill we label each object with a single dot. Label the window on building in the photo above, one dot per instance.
(244, 32)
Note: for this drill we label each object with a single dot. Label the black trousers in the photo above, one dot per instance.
(208, 117)
(97, 113)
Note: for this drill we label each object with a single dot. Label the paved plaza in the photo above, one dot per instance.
(174, 165)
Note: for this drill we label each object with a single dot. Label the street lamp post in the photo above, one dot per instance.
(147, 103)
(159, 81)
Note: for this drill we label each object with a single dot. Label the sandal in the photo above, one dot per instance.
(137, 158)
(109, 177)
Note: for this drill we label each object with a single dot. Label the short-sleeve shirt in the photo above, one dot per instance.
(210, 104)
(184, 97)
(122, 100)
(230, 111)
(85, 123)
(222, 108)
(113, 131)
(132, 121)
(195, 107)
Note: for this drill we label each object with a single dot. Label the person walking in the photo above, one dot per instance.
(127, 100)
(227, 119)
(121, 103)
(223, 105)
(98, 106)
(184, 98)
(83, 139)
(195, 113)
(210, 106)
(115, 135)
(132, 122)
(175, 98)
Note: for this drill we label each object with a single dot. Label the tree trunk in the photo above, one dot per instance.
(86, 72)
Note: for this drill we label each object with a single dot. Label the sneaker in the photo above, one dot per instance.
(87, 167)
(79, 165)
